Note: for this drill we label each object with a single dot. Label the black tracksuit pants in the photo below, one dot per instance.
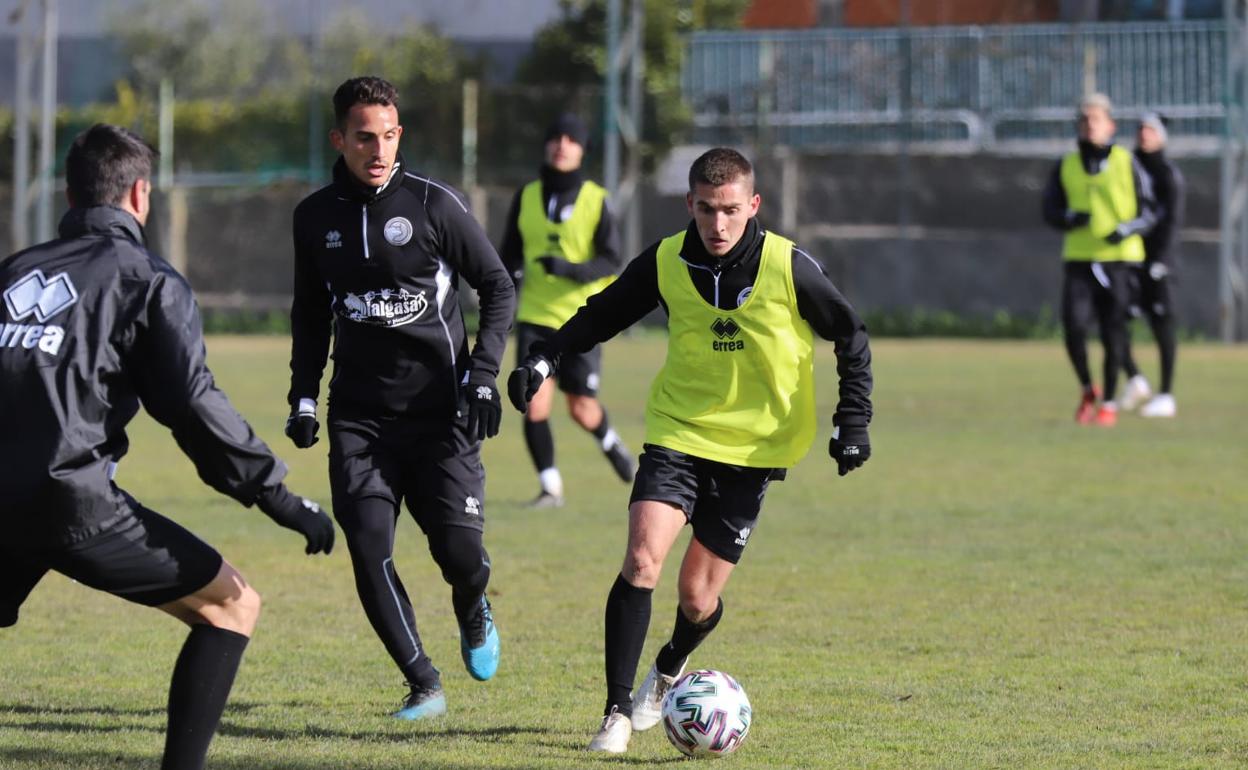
(1100, 292)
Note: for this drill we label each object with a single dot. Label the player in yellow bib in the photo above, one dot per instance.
(1102, 199)
(561, 246)
(732, 409)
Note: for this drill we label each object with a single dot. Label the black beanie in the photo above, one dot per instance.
(571, 126)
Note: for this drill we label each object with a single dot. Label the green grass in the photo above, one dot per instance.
(997, 587)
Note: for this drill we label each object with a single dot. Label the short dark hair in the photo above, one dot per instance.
(363, 90)
(722, 165)
(104, 162)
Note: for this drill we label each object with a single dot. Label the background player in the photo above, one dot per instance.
(1160, 258)
(98, 326)
(731, 410)
(1102, 199)
(378, 254)
(561, 246)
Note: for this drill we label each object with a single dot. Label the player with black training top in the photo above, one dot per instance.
(732, 409)
(93, 325)
(561, 245)
(378, 255)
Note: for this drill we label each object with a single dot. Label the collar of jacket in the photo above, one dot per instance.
(1151, 161)
(1093, 155)
(694, 252)
(101, 220)
(353, 189)
(555, 181)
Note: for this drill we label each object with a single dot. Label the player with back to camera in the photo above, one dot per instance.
(731, 410)
(1102, 199)
(378, 255)
(561, 245)
(97, 326)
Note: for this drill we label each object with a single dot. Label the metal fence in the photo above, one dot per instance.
(980, 87)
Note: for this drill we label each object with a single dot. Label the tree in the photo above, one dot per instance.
(571, 52)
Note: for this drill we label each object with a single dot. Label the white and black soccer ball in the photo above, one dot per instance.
(706, 714)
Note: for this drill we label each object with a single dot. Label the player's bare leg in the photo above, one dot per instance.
(652, 529)
(703, 576)
(589, 413)
(222, 616)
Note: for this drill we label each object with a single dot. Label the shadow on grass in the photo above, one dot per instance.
(108, 711)
(417, 734)
(43, 757)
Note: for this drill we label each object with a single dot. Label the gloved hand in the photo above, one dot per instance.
(1158, 270)
(556, 266)
(300, 514)
(301, 425)
(1077, 219)
(479, 399)
(850, 447)
(526, 379)
(1120, 233)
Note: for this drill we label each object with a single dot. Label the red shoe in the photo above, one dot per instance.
(1107, 417)
(1086, 413)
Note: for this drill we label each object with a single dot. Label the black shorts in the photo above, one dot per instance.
(436, 470)
(721, 501)
(579, 373)
(1151, 298)
(144, 558)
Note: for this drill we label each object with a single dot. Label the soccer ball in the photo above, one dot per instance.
(706, 714)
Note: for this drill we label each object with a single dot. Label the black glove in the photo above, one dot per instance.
(850, 447)
(301, 429)
(526, 379)
(1077, 219)
(300, 514)
(1119, 234)
(479, 399)
(556, 266)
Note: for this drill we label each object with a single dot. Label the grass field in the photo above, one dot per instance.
(997, 587)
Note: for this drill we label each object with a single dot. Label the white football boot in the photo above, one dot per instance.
(648, 700)
(1135, 394)
(1162, 405)
(613, 736)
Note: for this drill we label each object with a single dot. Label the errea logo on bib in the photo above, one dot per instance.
(726, 330)
(43, 298)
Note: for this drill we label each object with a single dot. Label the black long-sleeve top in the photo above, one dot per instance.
(1094, 158)
(380, 267)
(724, 282)
(1161, 245)
(93, 325)
(559, 191)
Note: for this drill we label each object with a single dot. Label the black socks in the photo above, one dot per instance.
(627, 620)
(541, 443)
(200, 685)
(686, 636)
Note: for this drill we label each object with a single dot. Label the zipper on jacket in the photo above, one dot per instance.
(364, 208)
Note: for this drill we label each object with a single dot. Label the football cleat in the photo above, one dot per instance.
(422, 703)
(1136, 393)
(1161, 405)
(1107, 416)
(546, 500)
(621, 461)
(1086, 412)
(648, 700)
(614, 733)
(478, 642)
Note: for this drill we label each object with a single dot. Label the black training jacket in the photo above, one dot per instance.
(725, 283)
(92, 326)
(379, 267)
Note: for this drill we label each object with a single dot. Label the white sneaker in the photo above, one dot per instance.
(1162, 405)
(648, 700)
(1136, 393)
(613, 736)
